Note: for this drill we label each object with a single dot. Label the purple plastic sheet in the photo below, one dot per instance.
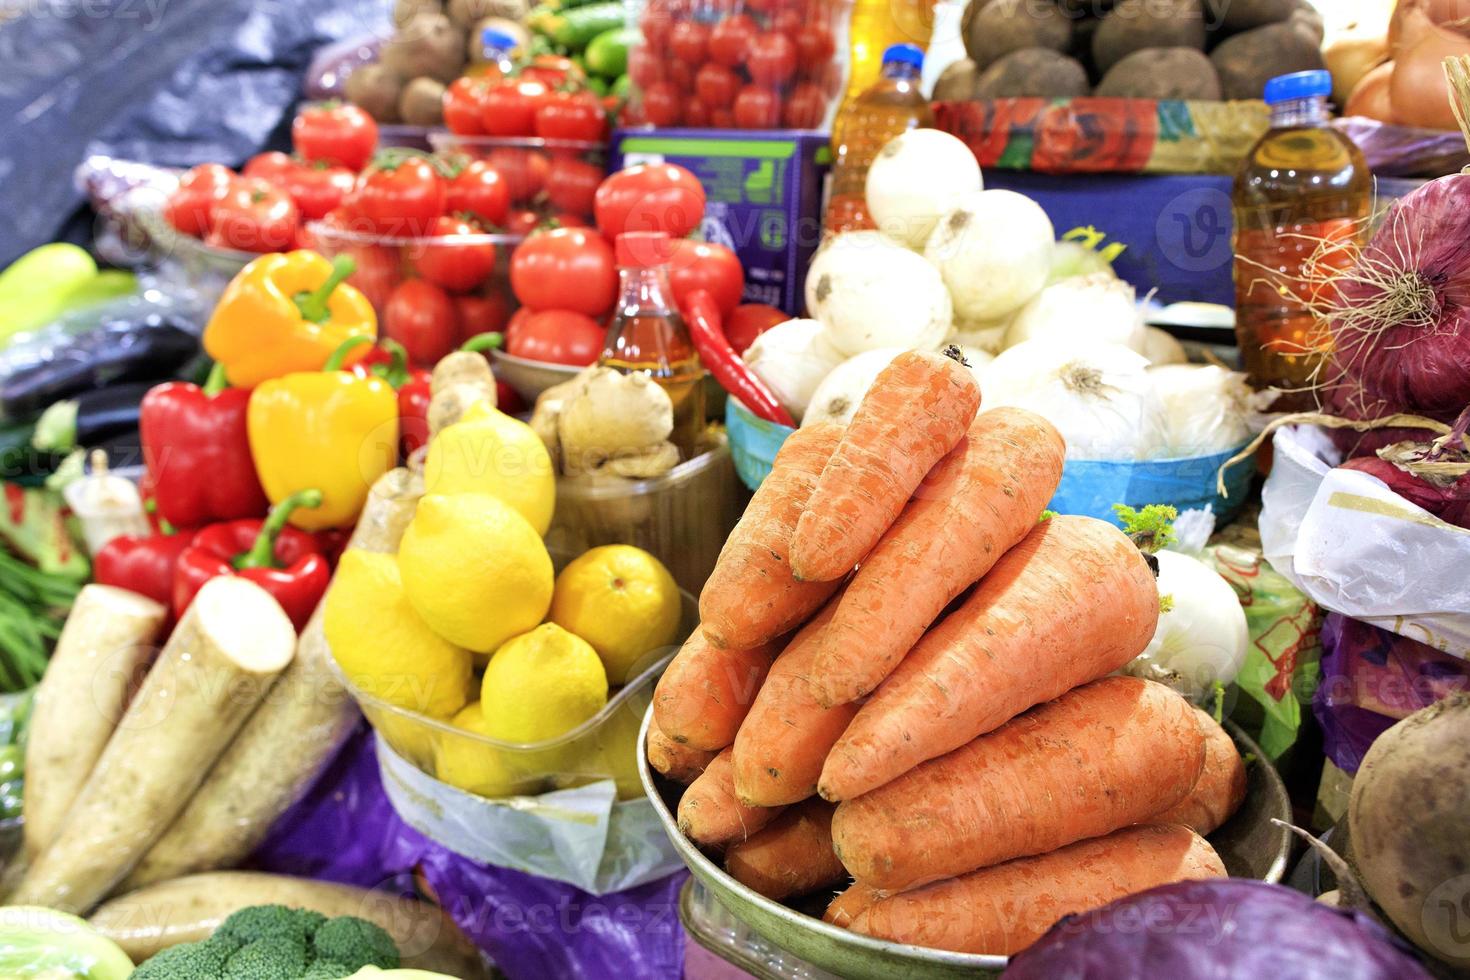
(345, 830)
(1401, 151)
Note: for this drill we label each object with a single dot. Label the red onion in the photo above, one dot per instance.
(1449, 503)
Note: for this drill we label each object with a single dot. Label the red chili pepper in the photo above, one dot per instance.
(703, 318)
(142, 563)
(198, 454)
(389, 361)
(284, 561)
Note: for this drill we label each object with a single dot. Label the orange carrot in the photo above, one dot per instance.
(1074, 601)
(710, 815)
(1004, 909)
(972, 508)
(914, 414)
(1221, 787)
(707, 691)
(792, 856)
(1109, 754)
(846, 906)
(752, 597)
(681, 763)
(784, 740)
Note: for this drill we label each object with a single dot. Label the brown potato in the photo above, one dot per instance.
(422, 102)
(1162, 73)
(1034, 72)
(1232, 16)
(428, 45)
(957, 82)
(406, 10)
(374, 89)
(1246, 62)
(999, 27)
(1138, 24)
(467, 13)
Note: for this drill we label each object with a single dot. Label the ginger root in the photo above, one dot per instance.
(605, 422)
(460, 379)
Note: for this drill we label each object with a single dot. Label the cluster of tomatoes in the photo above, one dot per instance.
(756, 64)
(546, 99)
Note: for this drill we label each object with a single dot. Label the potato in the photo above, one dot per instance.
(428, 45)
(1308, 22)
(1246, 62)
(1232, 16)
(1138, 24)
(422, 102)
(957, 82)
(467, 13)
(1000, 27)
(374, 89)
(1162, 73)
(1033, 72)
(406, 10)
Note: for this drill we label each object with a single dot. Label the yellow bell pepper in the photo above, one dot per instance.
(332, 429)
(285, 312)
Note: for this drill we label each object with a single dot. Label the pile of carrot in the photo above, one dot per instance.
(902, 686)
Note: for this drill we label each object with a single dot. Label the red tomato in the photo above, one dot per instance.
(421, 317)
(462, 108)
(480, 314)
(403, 196)
(566, 219)
(716, 86)
(748, 321)
(519, 317)
(335, 132)
(650, 197)
(814, 48)
(553, 71)
(772, 59)
(521, 221)
(272, 166)
(757, 108)
(722, 119)
(644, 67)
(680, 75)
(317, 189)
(571, 185)
(188, 207)
(378, 272)
(729, 40)
(696, 114)
(478, 190)
(571, 116)
(254, 216)
(787, 21)
(457, 266)
(688, 41)
(704, 265)
(508, 108)
(558, 336)
(565, 268)
(662, 104)
(657, 23)
(524, 171)
(805, 107)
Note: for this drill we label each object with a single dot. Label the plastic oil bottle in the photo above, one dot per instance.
(1302, 183)
(495, 57)
(888, 107)
(647, 334)
(877, 25)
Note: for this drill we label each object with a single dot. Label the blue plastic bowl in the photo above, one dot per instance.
(754, 442)
(1091, 487)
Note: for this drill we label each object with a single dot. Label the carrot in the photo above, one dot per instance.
(792, 856)
(707, 691)
(976, 505)
(848, 904)
(784, 740)
(710, 815)
(751, 596)
(1004, 909)
(914, 414)
(1109, 754)
(1074, 601)
(681, 763)
(1220, 789)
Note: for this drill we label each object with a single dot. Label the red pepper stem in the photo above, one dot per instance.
(313, 305)
(216, 382)
(483, 342)
(262, 553)
(339, 356)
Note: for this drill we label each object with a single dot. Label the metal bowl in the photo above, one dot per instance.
(1249, 845)
(530, 378)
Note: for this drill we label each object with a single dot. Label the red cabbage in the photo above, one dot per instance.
(1206, 930)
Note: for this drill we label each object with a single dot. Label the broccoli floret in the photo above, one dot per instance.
(355, 942)
(267, 959)
(327, 970)
(270, 922)
(197, 961)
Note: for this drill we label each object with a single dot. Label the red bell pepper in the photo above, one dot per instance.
(142, 563)
(389, 361)
(703, 319)
(198, 453)
(284, 561)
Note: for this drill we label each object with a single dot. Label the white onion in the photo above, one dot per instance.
(994, 250)
(1206, 408)
(1202, 638)
(1099, 396)
(1069, 259)
(986, 335)
(830, 253)
(872, 292)
(838, 396)
(1161, 347)
(792, 358)
(916, 177)
(1083, 309)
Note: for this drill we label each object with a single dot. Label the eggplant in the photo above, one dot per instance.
(119, 350)
(89, 418)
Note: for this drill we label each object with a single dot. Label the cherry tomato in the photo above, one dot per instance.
(508, 108)
(553, 71)
(317, 189)
(480, 314)
(421, 317)
(716, 85)
(558, 336)
(571, 116)
(689, 41)
(523, 170)
(772, 59)
(379, 269)
(748, 321)
(565, 268)
(335, 132)
(188, 207)
(805, 107)
(571, 185)
(721, 119)
(271, 166)
(399, 196)
(757, 108)
(650, 197)
(478, 190)
(680, 75)
(662, 104)
(462, 108)
(458, 266)
(787, 21)
(657, 23)
(729, 40)
(521, 221)
(704, 265)
(814, 48)
(644, 67)
(567, 219)
(696, 114)
(519, 317)
(254, 216)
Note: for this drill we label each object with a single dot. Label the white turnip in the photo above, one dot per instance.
(994, 252)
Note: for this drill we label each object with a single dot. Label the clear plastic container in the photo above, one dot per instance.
(547, 178)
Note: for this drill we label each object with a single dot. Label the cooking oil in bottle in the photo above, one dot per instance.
(1302, 184)
(876, 26)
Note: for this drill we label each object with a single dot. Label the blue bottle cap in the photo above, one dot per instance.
(493, 37)
(1298, 85)
(906, 54)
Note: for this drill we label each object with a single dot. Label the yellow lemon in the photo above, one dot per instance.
(623, 601)
(487, 451)
(469, 764)
(540, 685)
(383, 646)
(475, 571)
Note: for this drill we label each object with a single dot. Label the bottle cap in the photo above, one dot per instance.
(494, 37)
(904, 54)
(1298, 85)
(644, 249)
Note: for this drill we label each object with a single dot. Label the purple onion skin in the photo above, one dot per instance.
(1217, 930)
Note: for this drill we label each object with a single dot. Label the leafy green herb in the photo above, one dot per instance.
(1151, 528)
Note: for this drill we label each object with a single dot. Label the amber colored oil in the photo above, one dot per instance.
(658, 345)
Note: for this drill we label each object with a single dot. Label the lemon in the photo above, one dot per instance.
(623, 601)
(475, 571)
(469, 764)
(487, 451)
(383, 646)
(540, 685)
